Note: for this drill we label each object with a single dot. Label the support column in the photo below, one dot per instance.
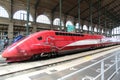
(52, 18)
(103, 31)
(90, 12)
(100, 30)
(92, 29)
(34, 28)
(119, 33)
(97, 28)
(11, 13)
(113, 31)
(106, 31)
(74, 24)
(116, 32)
(65, 19)
(105, 22)
(110, 32)
(60, 15)
(28, 11)
(99, 13)
(35, 16)
(10, 32)
(80, 30)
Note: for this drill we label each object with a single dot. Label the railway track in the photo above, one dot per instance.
(47, 63)
(3, 64)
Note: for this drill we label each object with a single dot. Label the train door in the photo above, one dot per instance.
(51, 42)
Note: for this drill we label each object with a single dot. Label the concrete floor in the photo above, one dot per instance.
(57, 72)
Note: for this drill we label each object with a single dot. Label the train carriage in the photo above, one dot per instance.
(49, 42)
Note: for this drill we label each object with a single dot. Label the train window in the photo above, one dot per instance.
(39, 38)
(82, 35)
(57, 33)
(68, 34)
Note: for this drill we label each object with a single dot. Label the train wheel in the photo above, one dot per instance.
(55, 54)
(49, 55)
(92, 48)
(35, 57)
(52, 54)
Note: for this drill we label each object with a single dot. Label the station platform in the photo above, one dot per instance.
(117, 76)
(1, 58)
(82, 71)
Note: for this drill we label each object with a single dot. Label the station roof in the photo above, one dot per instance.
(70, 7)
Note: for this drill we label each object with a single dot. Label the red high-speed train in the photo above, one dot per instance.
(49, 42)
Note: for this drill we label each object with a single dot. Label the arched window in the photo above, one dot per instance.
(77, 26)
(85, 27)
(116, 30)
(98, 30)
(22, 15)
(90, 28)
(102, 31)
(57, 22)
(43, 19)
(95, 29)
(69, 23)
(3, 12)
(108, 32)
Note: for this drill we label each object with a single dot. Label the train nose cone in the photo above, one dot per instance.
(5, 54)
(8, 53)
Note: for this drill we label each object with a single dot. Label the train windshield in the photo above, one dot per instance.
(39, 38)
